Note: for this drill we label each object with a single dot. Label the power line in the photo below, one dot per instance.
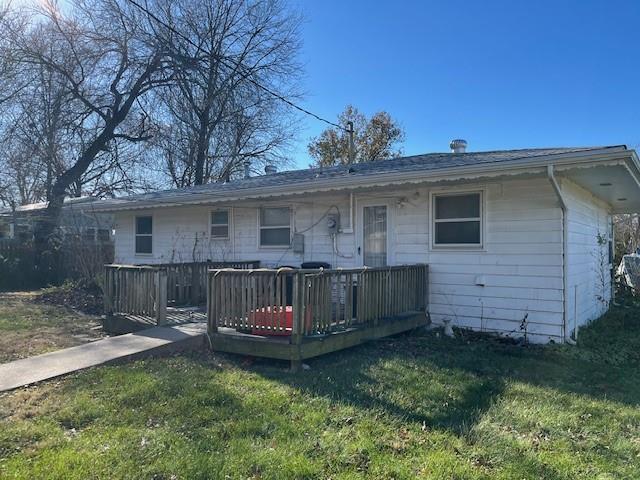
(239, 66)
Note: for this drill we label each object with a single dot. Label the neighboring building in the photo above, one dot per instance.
(628, 272)
(508, 235)
(77, 220)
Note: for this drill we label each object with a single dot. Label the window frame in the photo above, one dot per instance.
(228, 224)
(481, 218)
(102, 238)
(273, 227)
(136, 235)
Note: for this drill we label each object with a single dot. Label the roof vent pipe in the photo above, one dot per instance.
(458, 146)
(247, 168)
(270, 169)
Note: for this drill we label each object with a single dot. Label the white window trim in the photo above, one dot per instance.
(135, 235)
(481, 219)
(271, 227)
(229, 222)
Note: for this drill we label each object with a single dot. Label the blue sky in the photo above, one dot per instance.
(509, 74)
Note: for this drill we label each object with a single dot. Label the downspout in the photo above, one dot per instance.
(349, 229)
(565, 278)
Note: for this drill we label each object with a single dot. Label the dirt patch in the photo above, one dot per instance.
(29, 326)
(84, 297)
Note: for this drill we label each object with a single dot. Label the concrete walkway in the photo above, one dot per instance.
(50, 365)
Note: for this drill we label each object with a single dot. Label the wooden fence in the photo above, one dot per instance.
(312, 302)
(72, 260)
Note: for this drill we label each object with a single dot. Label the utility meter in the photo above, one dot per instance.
(333, 223)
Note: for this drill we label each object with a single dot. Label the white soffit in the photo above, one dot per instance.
(614, 183)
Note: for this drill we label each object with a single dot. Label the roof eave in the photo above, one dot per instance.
(351, 182)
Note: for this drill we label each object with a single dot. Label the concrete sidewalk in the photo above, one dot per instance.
(50, 365)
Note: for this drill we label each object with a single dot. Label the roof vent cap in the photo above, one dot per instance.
(458, 146)
(270, 169)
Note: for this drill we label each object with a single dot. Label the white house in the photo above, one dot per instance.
(514, 239)
(77, 220)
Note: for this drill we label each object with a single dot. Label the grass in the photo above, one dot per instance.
(414, 406)
(29, 327)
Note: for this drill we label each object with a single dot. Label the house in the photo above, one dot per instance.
(517, 241)
(77, 220)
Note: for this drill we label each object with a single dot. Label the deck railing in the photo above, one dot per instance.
(146, 290)
(342, 298)
(313, 302)
(136, 291)
(187, 282)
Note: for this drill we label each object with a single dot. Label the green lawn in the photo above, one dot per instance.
(418, 405)
(29, 327)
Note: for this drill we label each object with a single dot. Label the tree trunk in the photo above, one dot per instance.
(202, 148)
(46, 225)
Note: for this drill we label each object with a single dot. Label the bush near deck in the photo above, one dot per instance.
(414, 406)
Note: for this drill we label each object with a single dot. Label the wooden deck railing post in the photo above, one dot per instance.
(212, 301)
(161, 297)
(426, 292)
(107, 291)
(297, 326)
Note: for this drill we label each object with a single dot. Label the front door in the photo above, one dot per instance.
(374, 236)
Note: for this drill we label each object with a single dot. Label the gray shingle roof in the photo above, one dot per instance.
(426, 163)
(34, 207)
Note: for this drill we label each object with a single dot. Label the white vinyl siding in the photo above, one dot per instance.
(517, 272)
(589, 274)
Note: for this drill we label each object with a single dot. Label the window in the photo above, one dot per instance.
(275, 227)
(89, 234)
(144, 229)
(104, 235)
(22, 233)
(456, 219)
(220, 224)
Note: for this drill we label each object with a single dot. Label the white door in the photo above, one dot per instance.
(374, 238)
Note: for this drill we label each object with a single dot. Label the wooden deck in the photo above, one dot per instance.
(286, 314)
(121, 323)
(231, 341)
(175, 316)
(298, 314)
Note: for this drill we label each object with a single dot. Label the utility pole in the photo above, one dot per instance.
(351, 146)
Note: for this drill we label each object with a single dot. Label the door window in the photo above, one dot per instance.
(375, 236)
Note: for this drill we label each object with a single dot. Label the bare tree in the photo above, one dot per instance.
(106, 61)
(36, 134)
(95, 81)
(217, 114)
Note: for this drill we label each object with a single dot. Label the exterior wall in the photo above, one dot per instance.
(588, 269)
(181, 234)
(73, 221)
(517, 274)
